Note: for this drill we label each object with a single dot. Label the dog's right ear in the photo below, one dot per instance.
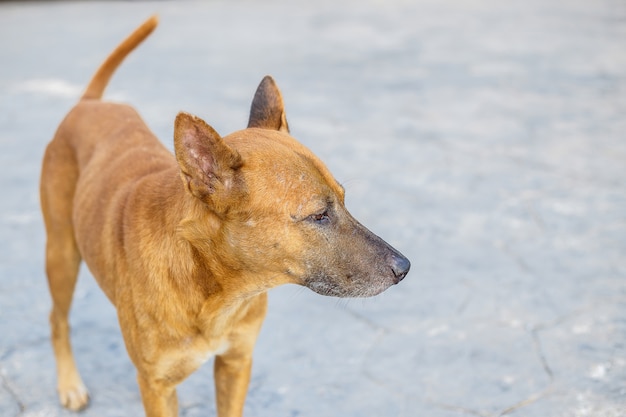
(208, 166)
(268, 110)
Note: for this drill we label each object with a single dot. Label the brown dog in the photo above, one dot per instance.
(187, 247)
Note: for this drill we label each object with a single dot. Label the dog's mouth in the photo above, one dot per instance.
(348, 287)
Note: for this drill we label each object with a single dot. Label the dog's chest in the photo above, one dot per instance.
(200, 355)
(191, 353)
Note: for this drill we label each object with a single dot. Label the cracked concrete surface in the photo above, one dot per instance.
(484, 139)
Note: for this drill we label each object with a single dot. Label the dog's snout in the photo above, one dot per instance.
(400, 267)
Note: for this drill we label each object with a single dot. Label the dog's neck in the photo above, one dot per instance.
(188, 229)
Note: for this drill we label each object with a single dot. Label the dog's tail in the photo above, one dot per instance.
(101, 78)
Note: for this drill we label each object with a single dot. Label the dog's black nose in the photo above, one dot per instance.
(400, 267)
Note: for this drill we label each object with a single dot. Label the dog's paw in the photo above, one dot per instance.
(74, 396)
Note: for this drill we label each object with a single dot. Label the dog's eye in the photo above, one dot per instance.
(320, 218)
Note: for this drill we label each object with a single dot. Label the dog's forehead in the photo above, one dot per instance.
(277, 159)
(263, 149)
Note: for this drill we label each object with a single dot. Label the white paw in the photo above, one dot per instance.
(74, 396)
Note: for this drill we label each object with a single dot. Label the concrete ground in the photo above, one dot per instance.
(485, 139)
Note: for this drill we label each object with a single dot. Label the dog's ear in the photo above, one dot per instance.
(208, 166)
(268, 110)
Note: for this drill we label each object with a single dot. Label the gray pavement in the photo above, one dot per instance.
(485, 139)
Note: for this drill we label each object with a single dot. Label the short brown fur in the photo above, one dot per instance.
(186, 247)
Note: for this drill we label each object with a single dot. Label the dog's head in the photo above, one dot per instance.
(269, 208)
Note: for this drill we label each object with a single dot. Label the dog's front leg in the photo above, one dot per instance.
(233, 367)
(232, 376)
(159, 399)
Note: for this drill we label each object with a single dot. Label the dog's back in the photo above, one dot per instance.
(100, 151)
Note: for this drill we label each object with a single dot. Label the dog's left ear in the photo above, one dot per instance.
(208, 166)
(268, 110)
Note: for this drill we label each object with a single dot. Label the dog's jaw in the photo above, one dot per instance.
(344, 288)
